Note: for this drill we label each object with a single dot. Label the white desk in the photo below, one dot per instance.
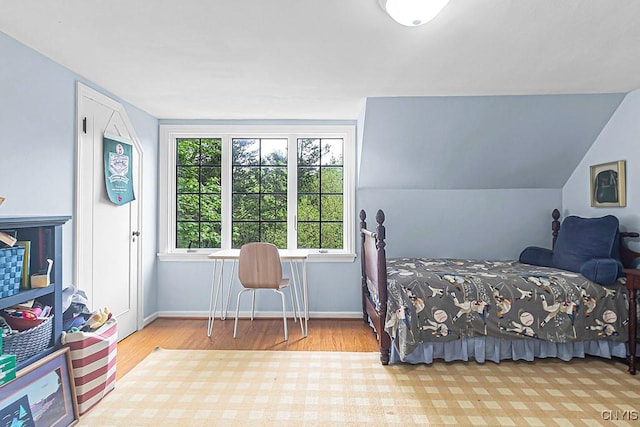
(296, 258)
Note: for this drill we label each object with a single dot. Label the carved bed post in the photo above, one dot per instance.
(363, 226)
(385, 340)
(555, 226)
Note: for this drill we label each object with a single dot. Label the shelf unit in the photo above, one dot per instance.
(45, 234)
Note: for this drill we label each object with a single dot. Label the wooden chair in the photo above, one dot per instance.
(259, 267)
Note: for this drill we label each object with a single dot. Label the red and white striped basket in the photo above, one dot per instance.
(93, 357)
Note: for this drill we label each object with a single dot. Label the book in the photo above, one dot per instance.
(7, 238)
(26, 262)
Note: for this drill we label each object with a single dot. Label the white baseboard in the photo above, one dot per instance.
(259, 314)
(147, 320)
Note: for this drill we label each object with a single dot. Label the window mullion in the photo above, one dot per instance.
(227, 198)
(292, 192)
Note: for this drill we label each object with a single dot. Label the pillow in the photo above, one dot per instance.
(583, 239)
(601, 270)
(537, 256)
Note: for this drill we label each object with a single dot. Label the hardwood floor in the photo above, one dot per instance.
(259, 334)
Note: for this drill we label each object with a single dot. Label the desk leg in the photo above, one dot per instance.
(632, 328)
(295, 277)
(223, 313)
(305, 299)
(231, 281)
(295, 281)
(213, 302)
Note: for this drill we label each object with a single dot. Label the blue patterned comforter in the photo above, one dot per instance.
(433, 300)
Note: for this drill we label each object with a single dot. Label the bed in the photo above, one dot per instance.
(424, 309)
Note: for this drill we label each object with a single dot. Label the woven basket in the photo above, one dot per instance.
(10, 270)
(29, 342)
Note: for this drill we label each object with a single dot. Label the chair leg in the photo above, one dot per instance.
(235, 324)
(284, 315)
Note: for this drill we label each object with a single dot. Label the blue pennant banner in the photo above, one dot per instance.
(117, 169)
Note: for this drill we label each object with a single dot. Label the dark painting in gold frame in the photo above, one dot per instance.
(608, 185)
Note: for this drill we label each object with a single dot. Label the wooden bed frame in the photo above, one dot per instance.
(374, 269)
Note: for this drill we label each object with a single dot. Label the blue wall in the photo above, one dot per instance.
(37, 149)
(619, 140)
(479, 142)
(473, 177)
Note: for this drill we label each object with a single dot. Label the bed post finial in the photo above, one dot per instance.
(363, 284)
(555, 226)
(380, 229)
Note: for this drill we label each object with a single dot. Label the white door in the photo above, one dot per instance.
(108, 236)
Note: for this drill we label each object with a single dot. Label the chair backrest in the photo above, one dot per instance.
(259, 266)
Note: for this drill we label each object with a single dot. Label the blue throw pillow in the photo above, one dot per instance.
(601, 270)
(537, 256)
(583, 239)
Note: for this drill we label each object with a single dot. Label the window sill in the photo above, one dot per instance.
(202, 256)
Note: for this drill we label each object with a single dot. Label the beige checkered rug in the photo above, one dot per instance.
(271, 388)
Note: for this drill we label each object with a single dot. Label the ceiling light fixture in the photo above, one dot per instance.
(413, 12)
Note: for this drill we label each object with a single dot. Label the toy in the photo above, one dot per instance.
(97, 319)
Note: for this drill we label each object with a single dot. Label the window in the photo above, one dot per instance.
(259, 192)
(320, 193)
(223, 186)
(198, 192)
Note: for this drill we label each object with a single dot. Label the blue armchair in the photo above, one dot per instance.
(589, 246)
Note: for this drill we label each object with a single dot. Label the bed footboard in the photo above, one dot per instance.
(374, 272)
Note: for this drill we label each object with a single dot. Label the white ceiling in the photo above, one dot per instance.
(319, 59)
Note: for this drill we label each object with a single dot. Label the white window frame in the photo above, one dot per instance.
(167, 184)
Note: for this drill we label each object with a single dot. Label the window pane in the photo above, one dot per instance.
(331, 152)
(245, 232)
(308, 151)
(274, 180)
(273, 207)
(331, 208)
(210, 178)
(188, 207)
(188, 151)
(331, 180)
(274, 232)
(309, 208)
(210, 233)
(246, 179)
(308, 235)
(187, 232)
(188, 179)
(211, 152)
(211, 207)
(331, 235)
(246, 207)
(273, 151)
(308, 179)
(246, 151)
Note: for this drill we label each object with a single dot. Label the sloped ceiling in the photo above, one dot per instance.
(482, 142)
(320, 59)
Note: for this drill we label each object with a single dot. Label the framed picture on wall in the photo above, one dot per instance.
(608, 185)
(43, 394)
